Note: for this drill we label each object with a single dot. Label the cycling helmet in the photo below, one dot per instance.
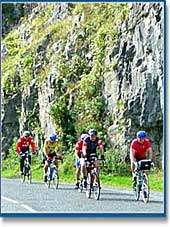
(92, 132)
(53, 137)
(26, 134)
(83, 136)
(141, 134)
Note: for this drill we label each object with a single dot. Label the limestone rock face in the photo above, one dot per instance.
(134, 89)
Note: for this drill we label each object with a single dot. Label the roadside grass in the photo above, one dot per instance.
(155, 178)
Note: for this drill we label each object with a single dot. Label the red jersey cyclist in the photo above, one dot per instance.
(22, 146)
(78, 156)
(139, 149)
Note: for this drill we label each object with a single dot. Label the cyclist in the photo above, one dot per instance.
(50, 146)
(139, 148)
(78, 155)
(22, 146)
(90, 145)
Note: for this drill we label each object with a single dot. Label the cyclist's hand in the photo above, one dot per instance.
(49, 158)
(20, 153)
(60, 157)
(102, 158)
(34, 153)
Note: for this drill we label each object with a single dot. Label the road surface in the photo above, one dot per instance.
(35, 198)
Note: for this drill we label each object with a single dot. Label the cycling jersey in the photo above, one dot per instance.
(23, 144)
(50, 146)
(140, 149)
(78, 148)
(92, 145)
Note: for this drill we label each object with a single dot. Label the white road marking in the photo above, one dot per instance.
(10, 200)
(22, 205)
(28, 208)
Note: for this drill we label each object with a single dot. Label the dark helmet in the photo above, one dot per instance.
(141, 134)
(26, 134)
(92, 132)
(53, 137)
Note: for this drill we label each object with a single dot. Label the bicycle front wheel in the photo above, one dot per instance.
(22, 177)
(55, 179)
(80, 188)
(145, 188)
(89, 186)
(29, 175)
(96, 190)
(137, 192)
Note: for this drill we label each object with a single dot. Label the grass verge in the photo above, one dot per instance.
(155, 178)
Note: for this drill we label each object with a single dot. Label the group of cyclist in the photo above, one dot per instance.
(85, 146)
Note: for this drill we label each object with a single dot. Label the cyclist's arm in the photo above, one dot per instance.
(100, 145)
(32, 145)
(101, 149)
(76, 154)
(77, 150)
(149, 150)
(46, 149)
(84, 150)
(132, 155)
(18, 146)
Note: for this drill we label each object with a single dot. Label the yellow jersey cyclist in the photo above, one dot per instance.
(50, 145)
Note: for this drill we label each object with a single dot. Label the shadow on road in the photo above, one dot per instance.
(129, 200)
(115, 193)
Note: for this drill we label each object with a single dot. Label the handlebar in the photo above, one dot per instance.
(52, 159)
(144, 164)
(25, 153)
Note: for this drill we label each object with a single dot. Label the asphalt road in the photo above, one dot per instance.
(36, 198)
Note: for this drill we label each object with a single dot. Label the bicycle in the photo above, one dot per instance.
(142, 181)
(27, 168)
(53, 176)
(93, 181)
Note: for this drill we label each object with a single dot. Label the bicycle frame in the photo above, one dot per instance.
(142, 183)
(53, 173)
(26, 168)
(93, 183)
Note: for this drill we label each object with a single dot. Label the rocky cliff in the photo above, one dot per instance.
(69, 67)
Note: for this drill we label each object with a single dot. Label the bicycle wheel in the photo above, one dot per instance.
(145, 188)
(96, 190)
(137, 193)
(80, 188)
(89, 186)
(22, 177)
(29, 175)
(55, 179)
(137, 190)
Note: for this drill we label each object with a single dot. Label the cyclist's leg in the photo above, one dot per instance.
(97, 170)
(29, 159)
(45, 170)
(56, 160)
(22, 158)
(83, 171)
(132, 165)
(78, 170)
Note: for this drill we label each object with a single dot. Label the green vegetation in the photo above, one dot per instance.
(111, 175)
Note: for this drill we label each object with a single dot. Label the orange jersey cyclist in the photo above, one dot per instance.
(90, 145)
